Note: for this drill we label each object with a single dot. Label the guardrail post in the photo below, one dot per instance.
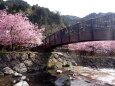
(78, 32)
(92, 33)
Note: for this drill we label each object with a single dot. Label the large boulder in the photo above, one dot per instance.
(23, 78)
(63, 81)
(22, 83)
(20, 68)
(8, 70)
(28, 62)
(24, 56)
(2, 65)
(32, 56)
(6, 57)
(14, 63)
(14, 55)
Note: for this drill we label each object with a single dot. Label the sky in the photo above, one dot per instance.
(79, 8)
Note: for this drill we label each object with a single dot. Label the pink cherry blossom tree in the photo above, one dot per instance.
(16, 29)
(95, 46)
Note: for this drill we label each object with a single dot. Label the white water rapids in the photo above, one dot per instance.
(102, 76)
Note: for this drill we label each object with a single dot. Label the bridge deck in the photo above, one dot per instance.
(102, 28)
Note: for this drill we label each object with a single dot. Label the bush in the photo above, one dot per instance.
(66, 65)
(50, 67)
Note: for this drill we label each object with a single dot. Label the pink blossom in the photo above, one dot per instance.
(93, 46)
(17, 28)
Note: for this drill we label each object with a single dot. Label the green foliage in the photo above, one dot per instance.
(16, 6)
(41, 16)
(29, 68)
(52, 67)
(93, 15)
(66, 65)
(2, 5)
(69, 20)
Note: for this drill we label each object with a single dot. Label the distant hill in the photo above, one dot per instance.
(69, 20)
(93, 15)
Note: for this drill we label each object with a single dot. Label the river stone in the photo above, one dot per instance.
(17, 74)
(22, 83)
(59, 65)
(63, 81)
(23, 78)
(32, 56)
(8, 70)
(14, 63)
(73, 63)
(56, 56)
(6, 57)
(59, 71)
(20, 68)
(28, 63)
(2, 65)
(14, 55)
(24, 56)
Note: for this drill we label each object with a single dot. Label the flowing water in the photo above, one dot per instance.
(95, 77)
(85, 77)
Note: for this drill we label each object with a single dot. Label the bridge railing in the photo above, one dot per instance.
(84, 31)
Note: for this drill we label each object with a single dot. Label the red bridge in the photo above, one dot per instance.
(102, 28)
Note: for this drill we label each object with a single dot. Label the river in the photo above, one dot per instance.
(85, 77)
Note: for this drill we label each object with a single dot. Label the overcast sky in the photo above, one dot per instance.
(78, 8)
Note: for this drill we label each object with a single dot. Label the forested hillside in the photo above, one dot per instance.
(93, 15)
(43, 17)
(69, 20)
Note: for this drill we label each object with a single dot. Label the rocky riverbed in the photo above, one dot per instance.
(74, 74)
(85, 76)
(94, 77)
(79, 76)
